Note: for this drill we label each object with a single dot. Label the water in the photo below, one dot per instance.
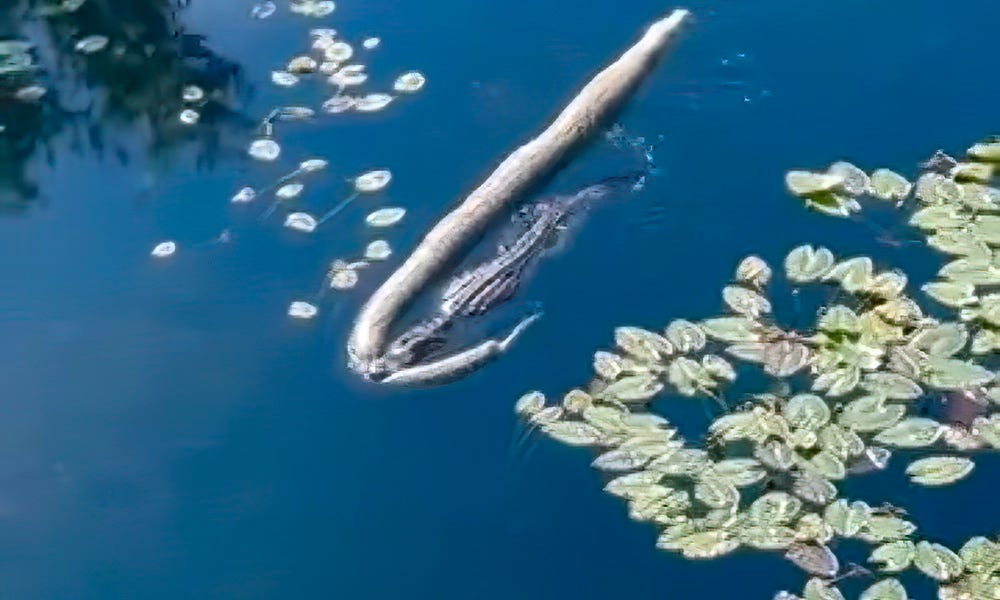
(168, 432)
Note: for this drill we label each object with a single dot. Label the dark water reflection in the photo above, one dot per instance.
(167, 432)
(114, 103)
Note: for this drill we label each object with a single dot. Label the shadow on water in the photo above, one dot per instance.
(118, 102)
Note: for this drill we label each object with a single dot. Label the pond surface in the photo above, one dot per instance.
(168, 432)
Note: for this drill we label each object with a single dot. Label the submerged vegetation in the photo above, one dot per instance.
(875, 374)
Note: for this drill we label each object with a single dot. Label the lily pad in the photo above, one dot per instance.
(685, 336)
(731, 329)
(889, 185)
(807, 183)
(378, 250)
(529, 404)
(912, 432)
(409, 82)
(815, 559)
(805, 263)
(854, 181)
(574, 433)
(385, 217)
(264, 149)
(954, 374)
(887, 589)
(164, 249)
(939, 470)
(980, 555)
(807, 411)
(891, 386)
(745, 301)
(372, 102)
(754, 271)
(634, 388)
(893, 557)
(372, 181)
(300, 221)
(937, 561)
(302, 310)
(951, 293)
(774, 508)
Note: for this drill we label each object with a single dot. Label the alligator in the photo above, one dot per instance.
(475, 292)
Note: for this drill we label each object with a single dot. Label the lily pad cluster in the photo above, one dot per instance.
(333, 61)
(856, 386)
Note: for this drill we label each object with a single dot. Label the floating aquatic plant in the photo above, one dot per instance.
(871, 352)
(385, 217)
(264, 149)
(302, 310)
(366, 183)
(408, 83)
(300, 221)
(378, 250)
(164, 249)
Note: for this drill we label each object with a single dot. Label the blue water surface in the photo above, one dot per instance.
(168, 432)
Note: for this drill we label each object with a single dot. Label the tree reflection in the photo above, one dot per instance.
(123, 99)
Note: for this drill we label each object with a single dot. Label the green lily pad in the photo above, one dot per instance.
(807, 411)
(894, 557)
(689, 377)
(645, 346)
(839, 318)
(855, 182)
(807, 183)
(940, 216)
(853, 274)
(912, 432)
(805, 263)
(812, 528)
(685, 336)
(633, 485)
(633, 388)
(731, 329)
(754, 271)
(813, 488)
(745, 301)
(891, 386)
(973, 171)
(741, 472)
(574, 433)
(939, 470)
(986, 151)
(980, 555)
(986, 341)
(954, 374)
(889, 185)
(774, 508)
(715, 491)
(885, 528)
(941, 340)
(951, 293)
(718, 367)
(887, 589)
(959, 243)
(845, 518)
(818, 589)
(870, 413)
(978, 271)
(937, 561)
